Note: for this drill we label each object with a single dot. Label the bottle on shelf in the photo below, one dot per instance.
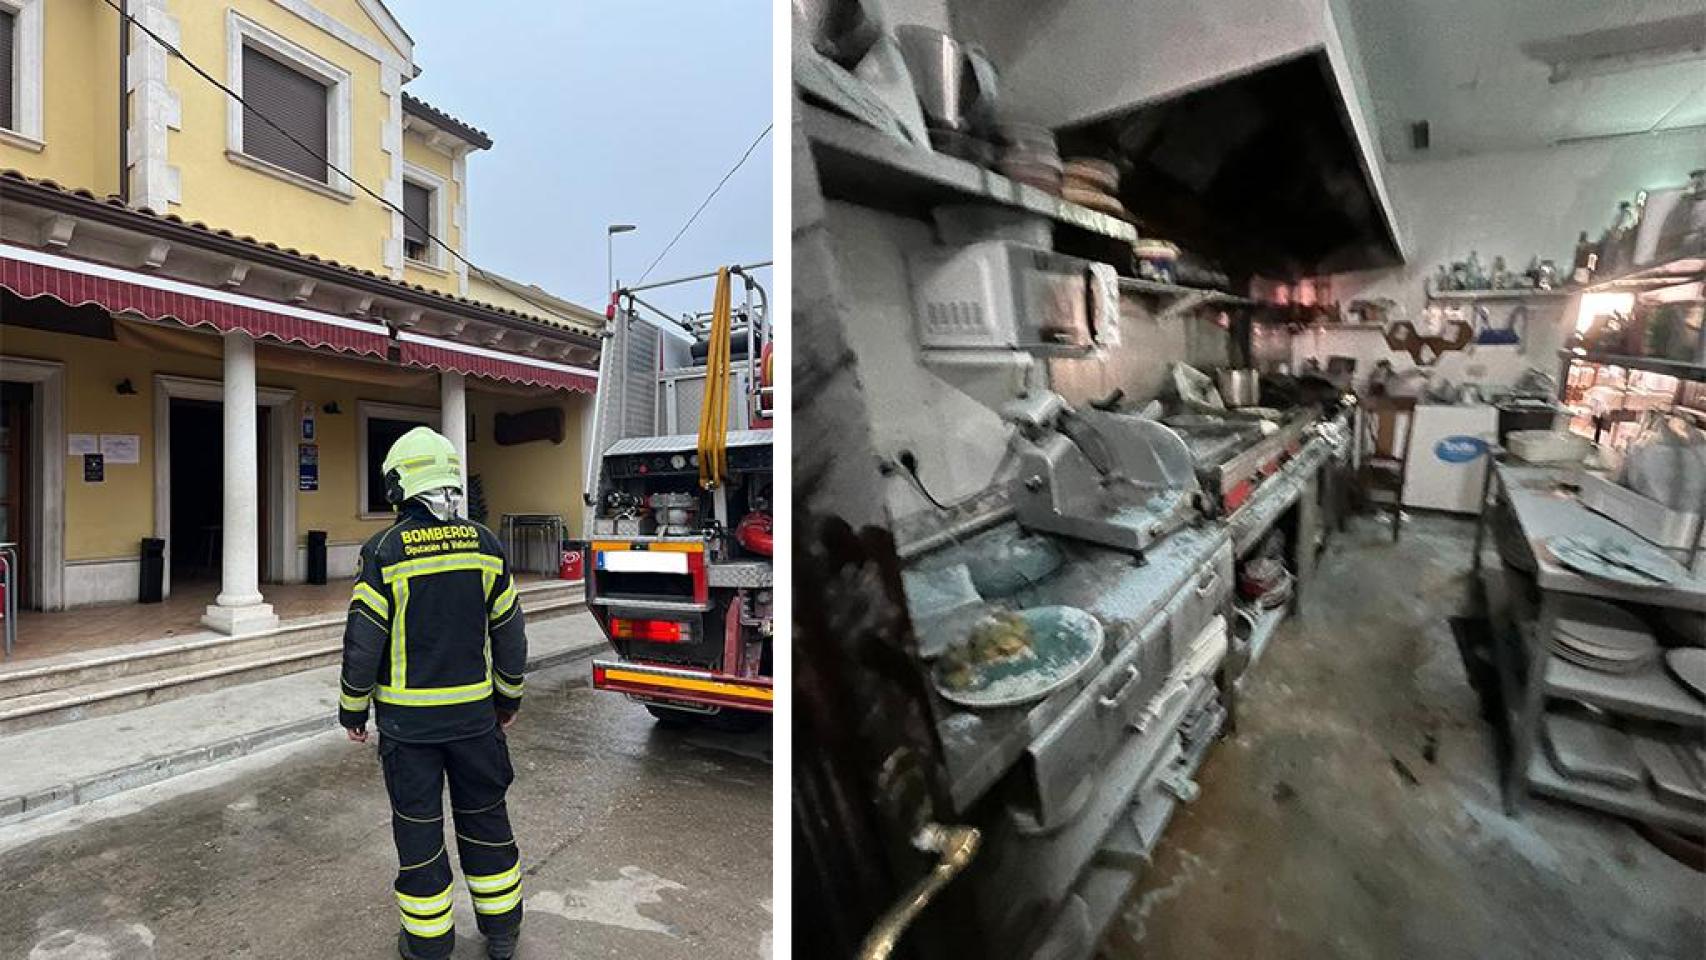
(1586, 261)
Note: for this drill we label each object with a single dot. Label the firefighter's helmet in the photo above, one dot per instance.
(422, 459)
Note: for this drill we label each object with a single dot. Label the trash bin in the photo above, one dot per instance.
(573, 565)
(153, 588)
(317, 557)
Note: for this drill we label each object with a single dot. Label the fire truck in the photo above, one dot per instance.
(678, 556)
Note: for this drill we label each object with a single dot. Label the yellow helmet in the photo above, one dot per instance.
(422, 459)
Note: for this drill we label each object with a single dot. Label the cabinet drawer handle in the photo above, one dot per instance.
(1127, 687)
(1207, 584)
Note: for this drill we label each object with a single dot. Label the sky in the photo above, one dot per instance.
(600, 112)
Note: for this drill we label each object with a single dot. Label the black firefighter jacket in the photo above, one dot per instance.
(435, 634)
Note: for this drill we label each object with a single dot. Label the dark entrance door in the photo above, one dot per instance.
(15, 473)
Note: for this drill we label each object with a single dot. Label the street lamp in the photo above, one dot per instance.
(610, 233)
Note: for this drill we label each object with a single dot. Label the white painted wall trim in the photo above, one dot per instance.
(92, 582)
(391, 142)
(384, 411)
(47, 455)
(401, 58)
(459, 219)
(242, 32)
(440, 187)
(343, 559)
(281, 559)
(27, 75)
(154, 182)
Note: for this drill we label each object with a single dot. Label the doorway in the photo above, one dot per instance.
(16, 469)
(197, 483)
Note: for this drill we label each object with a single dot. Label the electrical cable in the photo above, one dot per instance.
(702, 206)
(196, 68)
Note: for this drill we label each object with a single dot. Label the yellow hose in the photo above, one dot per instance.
(714, 411)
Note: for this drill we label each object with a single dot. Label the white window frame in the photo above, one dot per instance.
(365, 409)
(440, 187)
(26, 130)
(241, 33)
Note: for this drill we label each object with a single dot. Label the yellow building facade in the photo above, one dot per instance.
(210, 348)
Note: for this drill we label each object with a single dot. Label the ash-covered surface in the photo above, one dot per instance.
(1356, 813)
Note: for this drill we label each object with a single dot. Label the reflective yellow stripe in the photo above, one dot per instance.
(400, 637)
(427, 906)
(503, 904)
(375, 602)
(504, 602)
(505, 688)
(444, 563)
(435, 927)
(434, 696)
(654, 547)
(357, 704)
(495, 882)
(689, 683)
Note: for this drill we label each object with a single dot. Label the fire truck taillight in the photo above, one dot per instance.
(655, 631)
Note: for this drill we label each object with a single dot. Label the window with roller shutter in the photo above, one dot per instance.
(417, 221)
(298, 107)
(8, 74)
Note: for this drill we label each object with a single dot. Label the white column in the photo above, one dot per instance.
(453, 415)
(239, 608)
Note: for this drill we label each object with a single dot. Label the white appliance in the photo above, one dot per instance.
(998, 294)
(1447, 455)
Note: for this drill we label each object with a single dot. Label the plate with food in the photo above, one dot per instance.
(1010, 658)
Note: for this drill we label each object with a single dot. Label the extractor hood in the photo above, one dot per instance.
(1260, 172)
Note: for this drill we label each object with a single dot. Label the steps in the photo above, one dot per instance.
(190, 726)
(76, 687)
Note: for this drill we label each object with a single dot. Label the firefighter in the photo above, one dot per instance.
(435, 637)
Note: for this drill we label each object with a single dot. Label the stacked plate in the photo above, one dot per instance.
(1092, 183)
(1601, 636)
(1029, 155)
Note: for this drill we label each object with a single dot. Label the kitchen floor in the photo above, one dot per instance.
(1356, 811)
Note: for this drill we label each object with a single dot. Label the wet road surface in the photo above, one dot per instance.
(636, 841)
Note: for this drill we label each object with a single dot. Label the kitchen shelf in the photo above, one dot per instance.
(1347, 327)
(858, 164)
(1461, 296)
(1649, 692)
(1130, 285)
(1637, 803)
(1673, 272)
(1674, 368)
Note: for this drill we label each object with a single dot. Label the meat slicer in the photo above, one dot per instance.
(1114, 479)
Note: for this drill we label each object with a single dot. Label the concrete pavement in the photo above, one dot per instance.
(636, 841)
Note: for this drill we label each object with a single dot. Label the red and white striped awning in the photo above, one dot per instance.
(422, 351)
(33, 273)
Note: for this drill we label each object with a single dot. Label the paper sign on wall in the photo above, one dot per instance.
(94, 471)
(82, 444)
(121, 447)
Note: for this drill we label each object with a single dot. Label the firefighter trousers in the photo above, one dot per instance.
(479, 772)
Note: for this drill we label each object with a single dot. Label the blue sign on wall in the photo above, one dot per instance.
(1460, 449)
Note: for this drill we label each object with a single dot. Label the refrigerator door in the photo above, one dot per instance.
(1447, 456)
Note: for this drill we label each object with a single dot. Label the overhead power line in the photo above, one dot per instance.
(210, 78)
(706, 203)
